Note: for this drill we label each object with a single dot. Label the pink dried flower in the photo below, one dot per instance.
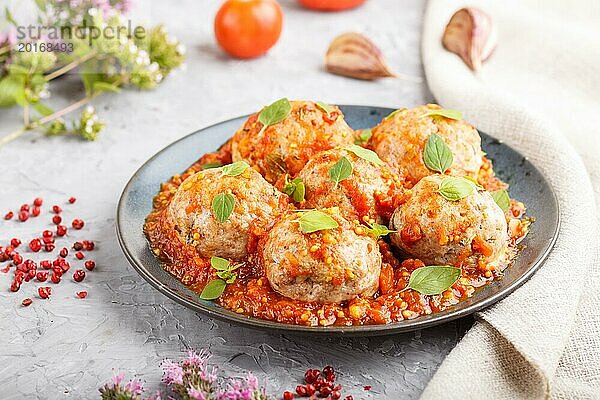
(196, 394)
(173, 373)
(197, 359)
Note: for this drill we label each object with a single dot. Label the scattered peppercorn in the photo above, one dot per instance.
(42, 276)
(24, 207)
(72, 200)
(79, 255)
(38, 201)
(64, 252)
(26, 302)
(48, 247)
(77, 223)
(77, 246)
(57, 219)
(36, 211)
(23, 215)
(45, 291)
(90, 265)
(56, 209)
(61, 230)
(47, 234)
(55, 278)
(9, 215)
(14, 242)
(35, 245)
(88, 245)
(288, 395)
(82, 295)
(79, 275)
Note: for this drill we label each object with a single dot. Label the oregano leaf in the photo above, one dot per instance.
(213, 289)
(433, 279)
(313, 221)
(274, 113)
(454, 188)
(444, 112)
(222, 205)
(501, 198)
(235, 169)
(365, 154)
(437, 155)
(340, 170)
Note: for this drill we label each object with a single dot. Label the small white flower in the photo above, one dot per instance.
(93, 11)
(44, 94)
(181, 49)
(153, 67)
(171, 40)
(158, 78)
(89, 109)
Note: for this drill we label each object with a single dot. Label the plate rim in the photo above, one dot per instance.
(226, 315)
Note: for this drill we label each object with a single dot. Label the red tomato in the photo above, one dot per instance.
(331, 5)
(248, 28)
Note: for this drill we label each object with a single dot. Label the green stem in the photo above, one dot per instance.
(36, 124)
(68, 67)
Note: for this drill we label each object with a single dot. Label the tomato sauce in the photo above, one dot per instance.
(252, 295)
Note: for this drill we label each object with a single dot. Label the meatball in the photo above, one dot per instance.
(400, 140)
(327, 266)
(257, 203)
(368, 191)
(468, 232)
(285, 147)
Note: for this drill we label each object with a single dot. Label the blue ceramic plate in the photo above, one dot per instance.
(526, 184)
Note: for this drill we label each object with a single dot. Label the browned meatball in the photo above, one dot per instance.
(286, 146)
(443, 232)
(367, 192)
(400, 140)
(326, 266)
(257, 203)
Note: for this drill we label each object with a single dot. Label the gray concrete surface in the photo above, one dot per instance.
(66, 347)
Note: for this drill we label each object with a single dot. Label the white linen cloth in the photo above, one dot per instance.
(540, 93)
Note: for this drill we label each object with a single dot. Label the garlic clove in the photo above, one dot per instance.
(471, 35)
(356, 56)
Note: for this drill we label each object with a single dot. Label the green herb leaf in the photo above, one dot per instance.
(454, 188)
(222, 206)
(9, 17)
(12, 90)
(227, 276)
(365, 154)
(326, 108)
(42, 109)
(41, 4)
(340, 170)
(219, 263)
(99, 87)
(295, 189)
(213, 289)
(235, 169)
(274, 113)
(211, 165)
(377, 230)
(313, 221)
(501, 198)
(433, 279)
(437, 155)
(443, 112)
(364, 136)
(394, 113)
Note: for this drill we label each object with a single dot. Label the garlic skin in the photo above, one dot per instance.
(471, 35)
(356, 56)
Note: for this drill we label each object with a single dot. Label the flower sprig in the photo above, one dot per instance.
(189, 379)
(106, 63)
